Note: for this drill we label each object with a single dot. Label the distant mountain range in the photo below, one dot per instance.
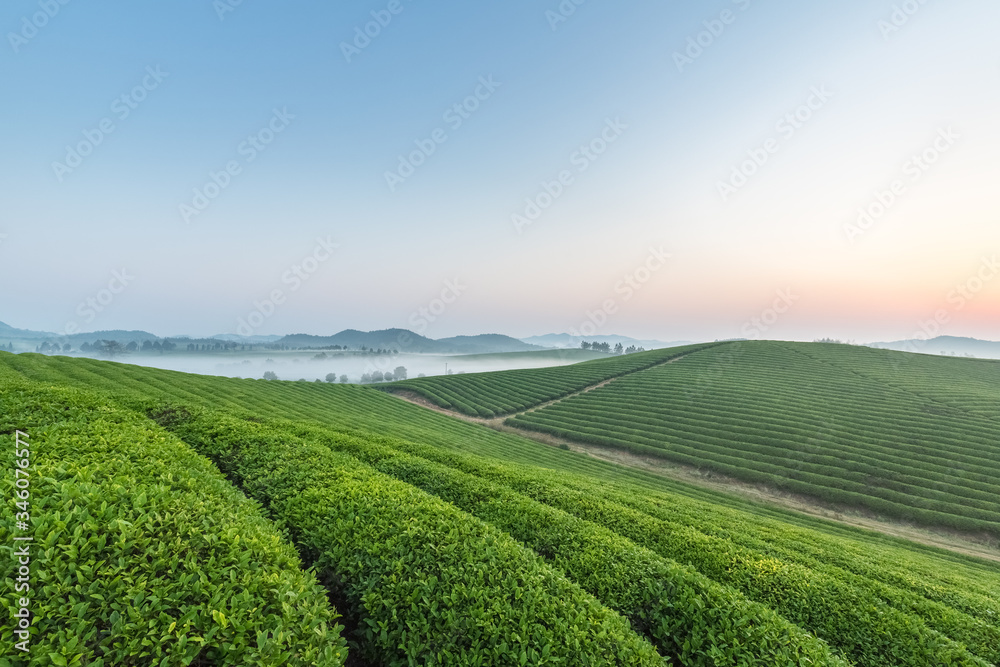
(408, 341)
(564, 340)
(389, 339)
(9, 333)
(946, 345)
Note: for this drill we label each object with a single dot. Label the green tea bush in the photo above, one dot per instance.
(686, 615)
(426, 583)
(501, 393)
(143, 554)
(851, 618)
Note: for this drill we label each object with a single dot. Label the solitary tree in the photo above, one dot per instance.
(343, 379)
(619, 348)
(270, 375)
(399, 373)
(331, 377)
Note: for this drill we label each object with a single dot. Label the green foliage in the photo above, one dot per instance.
(143, 553)
(842, 609)
(686, 615)
(931, 594)
(426, 583)
(805, 418)
(501, 393)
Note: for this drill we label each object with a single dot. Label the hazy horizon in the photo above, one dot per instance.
(918, 335)
(657, 171)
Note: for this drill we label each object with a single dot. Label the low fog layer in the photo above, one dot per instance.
(308, 365)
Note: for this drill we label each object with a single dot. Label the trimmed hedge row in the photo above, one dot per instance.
(477, 394)
(979, 633)
(810, 419)
(427, 583)
(852, 620)
(142, 552)
(786, 479)
(685, 614)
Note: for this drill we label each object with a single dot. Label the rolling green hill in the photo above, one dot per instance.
(446, 542)
(505, 392)
(911, 437)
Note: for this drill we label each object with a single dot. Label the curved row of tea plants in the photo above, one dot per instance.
(969, 385)
(768, 419)
(505, 392)
(968, 585)
(851, 617)
(959, 582)
(969, 618)
(686, 615)
(427, 584)
(142, 552)
(364, 410)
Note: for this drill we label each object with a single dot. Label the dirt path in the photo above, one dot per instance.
(498, 422)
(851, 516)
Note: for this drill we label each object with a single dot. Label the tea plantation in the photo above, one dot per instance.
(910, 437)
(180, 519)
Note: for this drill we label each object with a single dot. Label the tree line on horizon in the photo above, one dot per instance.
(618, 349)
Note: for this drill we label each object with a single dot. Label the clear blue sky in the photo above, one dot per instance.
(309, 129)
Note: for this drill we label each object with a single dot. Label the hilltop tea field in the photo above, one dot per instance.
(913, 437)
(179, 519)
